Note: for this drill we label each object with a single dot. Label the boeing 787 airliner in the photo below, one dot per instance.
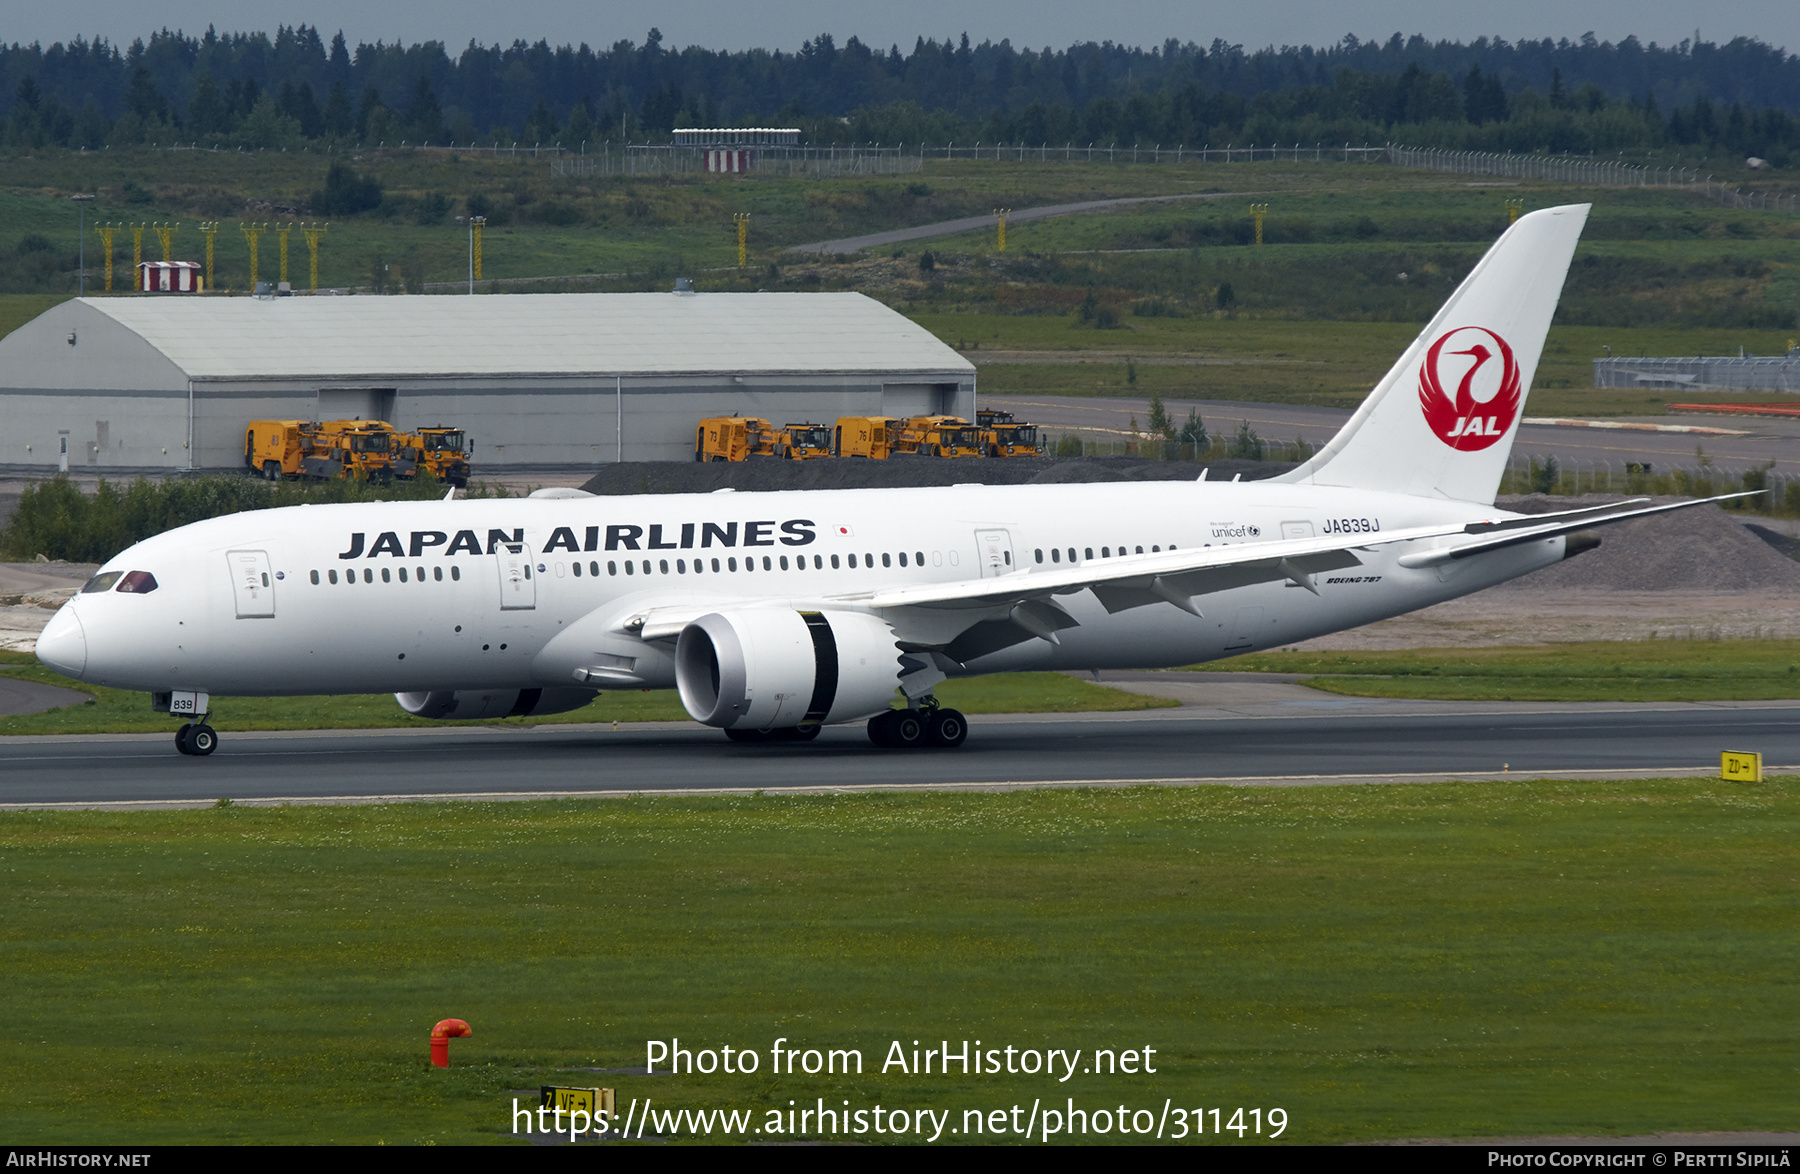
(775, 614)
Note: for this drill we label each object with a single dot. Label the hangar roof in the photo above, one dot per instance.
(361, 338)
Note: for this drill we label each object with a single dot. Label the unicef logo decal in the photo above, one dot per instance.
(1479, 366)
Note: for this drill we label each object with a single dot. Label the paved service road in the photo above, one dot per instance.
(1272, 741)
(851, 244)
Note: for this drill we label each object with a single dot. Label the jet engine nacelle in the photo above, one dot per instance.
(768, 668)
(469, 704)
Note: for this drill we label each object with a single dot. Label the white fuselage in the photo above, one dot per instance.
(420, 596)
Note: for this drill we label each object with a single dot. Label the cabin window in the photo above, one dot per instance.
(784, 565)
(368, 575)
(681, 566)
(1156, 550)
(628, 567)
(612, 568)
(387, 576)
(437, 574)
(903, 558)
(1071, 554)
(315, 578)
(646, 566)
(868, 559)
(887, 560)
(937, 558)
(456, 573)
(1055, 555)
(918, 558)
(1140, 550)
(594, 570)
(767, 564)
(834, 562)
(576, 568)
(1040, 555)
(402, 575)
(851, 559)
(715, 566)
(818, 562)
(732, 563)
(1106, 552)
(331, 576)
(1087, 552)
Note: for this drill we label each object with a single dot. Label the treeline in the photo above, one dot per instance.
(253, 90)
(57, 520)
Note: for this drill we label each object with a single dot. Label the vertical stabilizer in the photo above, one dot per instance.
(1441, 422)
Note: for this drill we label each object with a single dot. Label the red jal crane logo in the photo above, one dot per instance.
(1487, 393)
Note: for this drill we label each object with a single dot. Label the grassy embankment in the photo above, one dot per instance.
(1435, 960)
(1655, 670)
(118, 711)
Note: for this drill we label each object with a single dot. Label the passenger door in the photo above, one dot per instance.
(994, 548)
(252, 585)
(518, 589)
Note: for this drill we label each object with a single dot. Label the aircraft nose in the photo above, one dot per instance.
(63, 644)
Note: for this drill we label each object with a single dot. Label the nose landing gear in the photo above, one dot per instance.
(197, 739)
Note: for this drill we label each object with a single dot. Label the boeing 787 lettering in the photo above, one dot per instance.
(775, 614)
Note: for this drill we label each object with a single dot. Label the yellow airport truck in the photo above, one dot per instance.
(1004, 436)
(803, 442)
(870, 437)
(333, 450)
(733, 438)
(939, 436)
(436, 452)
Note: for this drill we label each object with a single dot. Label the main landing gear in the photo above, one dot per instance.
(905, 729)
(897, 729)
(197, 739)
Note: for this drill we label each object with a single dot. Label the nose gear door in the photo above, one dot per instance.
(251, 583)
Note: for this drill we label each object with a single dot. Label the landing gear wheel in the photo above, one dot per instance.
(906, 729)
(802, 733)
(946, 728)
(202, 740)
(181, 738)
(878, 729)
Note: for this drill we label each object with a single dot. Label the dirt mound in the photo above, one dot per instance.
(1702, 549)
(904, 472)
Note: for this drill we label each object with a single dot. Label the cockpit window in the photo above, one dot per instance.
(138, 583)
(101, 582)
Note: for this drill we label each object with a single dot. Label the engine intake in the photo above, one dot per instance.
(470, 704)
(771, 668)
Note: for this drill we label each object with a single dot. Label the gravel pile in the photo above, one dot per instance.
(835, 473)
(1702, 549)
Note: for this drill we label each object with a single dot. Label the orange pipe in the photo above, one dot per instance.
(441, 1035)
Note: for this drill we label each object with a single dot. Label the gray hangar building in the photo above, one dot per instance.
(536, 380)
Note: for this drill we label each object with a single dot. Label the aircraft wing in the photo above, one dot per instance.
(1179, 576)
(1548, 526)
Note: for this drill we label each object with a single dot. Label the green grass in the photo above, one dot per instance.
(1321, 363)
(1517, 958)
(1656, 670)
(118, 711)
